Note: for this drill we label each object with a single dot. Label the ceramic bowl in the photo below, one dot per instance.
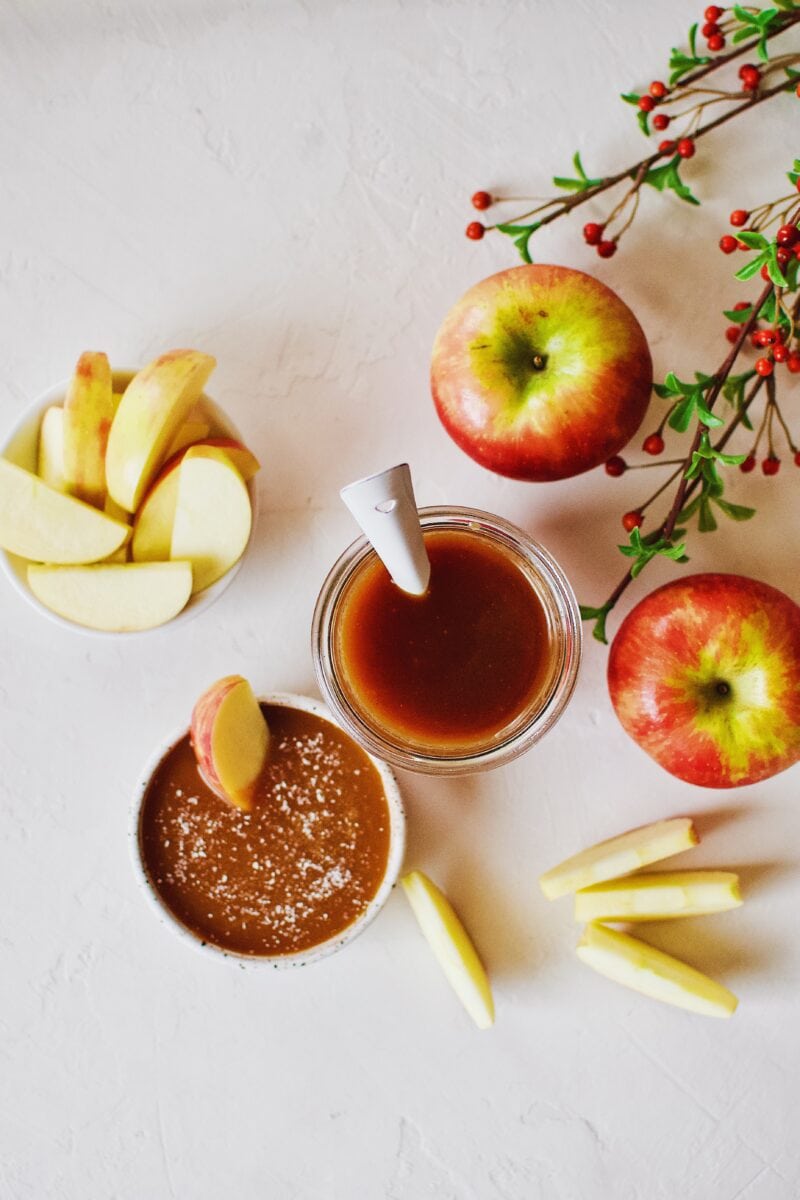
(397, 838)
(20, 447)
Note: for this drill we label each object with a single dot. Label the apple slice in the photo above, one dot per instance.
(636, 965)
(153, 407)
(44, 525)
(619, 856)
(452, 946)
(89, 409)
(50, 454)
(659, 896)
(230, 739)
(152, 526)
(188, 434)
(243, 459)
(213, 516)
(115, 597)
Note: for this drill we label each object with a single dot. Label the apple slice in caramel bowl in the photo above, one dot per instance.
(264, 833)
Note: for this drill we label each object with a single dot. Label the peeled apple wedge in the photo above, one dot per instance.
(153, 407)
(659, 897)
(50, 454)
(213, 515)
(636, 965)
(230, 739)
(114, 597)
(619, 856)
(44, 525)
(89, 408)
(452, 946)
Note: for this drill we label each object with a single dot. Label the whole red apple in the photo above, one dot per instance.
(541, 372)
(705, 675)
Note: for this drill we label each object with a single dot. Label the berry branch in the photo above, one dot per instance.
(661, 169)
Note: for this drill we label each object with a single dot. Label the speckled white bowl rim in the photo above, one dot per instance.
(397, 841)
(196, 604)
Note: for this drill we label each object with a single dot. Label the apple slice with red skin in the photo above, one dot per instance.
(153, 407)
(704, 674)
(89, 408)
(541, 372)
(230, 739)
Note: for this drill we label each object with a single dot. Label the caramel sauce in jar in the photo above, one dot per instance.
(453, 669)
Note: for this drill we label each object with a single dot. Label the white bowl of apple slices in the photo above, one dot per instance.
(127, 499)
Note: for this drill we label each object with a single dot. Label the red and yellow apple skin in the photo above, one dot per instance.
(705, 675)
(541, 373)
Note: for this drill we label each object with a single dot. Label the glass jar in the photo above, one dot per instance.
(527, 725)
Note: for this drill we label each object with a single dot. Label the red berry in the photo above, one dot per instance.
(660, 121)
(607, 249)
(746, 68)
(797, 93)
(732, 333)
(765, 275)
(787, 235)
(710, 29)
(593, 233)
(616, 466)
(743, 246)
(740, 305)
(632, 520)
(740, 216)
(716, 42)
(481, 200)
(666, 147)
(646, 103)
(755, 339)
(797, 458)
(686, 148)
(780, 353)
(475, 230)
(727, 243)
(793, 362)
(658, 89)
(748, 464)
(771, 465)
(766, 337)
(653, 444)
(783, 255)
(713, 12)
(750, 77)
(764, 367)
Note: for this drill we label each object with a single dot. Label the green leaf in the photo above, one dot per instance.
(681, 416)
(774, 269)
(730, 460)
(706, 522)
(753, 267)
(630, 97)
(521, 235)
(737, 512)
(693, 40)
(756, 241)
(690, 509)
(642, 118)
(676, 184)
(581, 184)
(738, 315)
(598, 615)
(711, 420)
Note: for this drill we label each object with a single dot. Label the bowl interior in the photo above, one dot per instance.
(21, 448)
(397, 837)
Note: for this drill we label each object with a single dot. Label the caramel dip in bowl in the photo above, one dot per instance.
(295, 878)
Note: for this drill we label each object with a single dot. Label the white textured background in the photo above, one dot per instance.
(286, 185)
